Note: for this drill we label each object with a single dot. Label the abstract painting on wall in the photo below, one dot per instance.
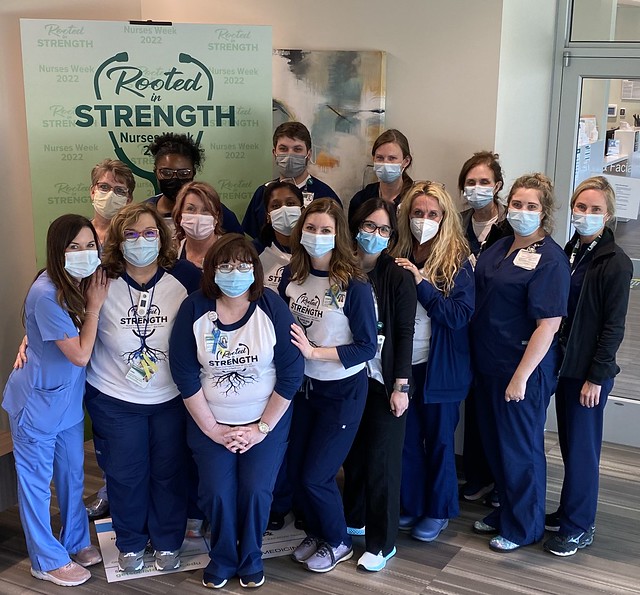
(340, 97)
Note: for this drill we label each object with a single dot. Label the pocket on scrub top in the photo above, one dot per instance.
(46, 408)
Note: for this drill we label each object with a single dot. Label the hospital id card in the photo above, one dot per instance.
(527, 260)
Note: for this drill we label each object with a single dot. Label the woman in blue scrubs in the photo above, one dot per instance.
(432, 247)
(332, 304)
(44, 401)
(590, 337)
(522, 286)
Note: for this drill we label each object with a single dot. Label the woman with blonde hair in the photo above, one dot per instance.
(590, 336)
(332, 304)
(198, 219)
(433, 248)
(522, 287)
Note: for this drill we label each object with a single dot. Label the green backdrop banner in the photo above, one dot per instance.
(96, 89)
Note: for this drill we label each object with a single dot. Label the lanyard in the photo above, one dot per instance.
(142, 336)
(575, 250)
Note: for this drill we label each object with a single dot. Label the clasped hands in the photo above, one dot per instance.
(238, 439)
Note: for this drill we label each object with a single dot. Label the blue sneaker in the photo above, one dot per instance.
(375, 562)
(567, 545)
(428, 529)
(252, 581)
(355, 530)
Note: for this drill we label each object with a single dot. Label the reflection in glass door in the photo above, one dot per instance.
(608, 144)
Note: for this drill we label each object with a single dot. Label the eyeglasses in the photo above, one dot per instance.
(151, 233)
(371, 227)
(166, 173)
(227, 267)
(119, 190)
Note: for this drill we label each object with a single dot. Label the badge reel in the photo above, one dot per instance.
(143, 304)
(307, 198)
(213, 340)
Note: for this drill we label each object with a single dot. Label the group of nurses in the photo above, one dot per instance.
(522, 286)
(44, 401)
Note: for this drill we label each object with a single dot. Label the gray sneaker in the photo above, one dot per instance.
(326, 558)
(306, 549)
(130, 561)
(167, 559)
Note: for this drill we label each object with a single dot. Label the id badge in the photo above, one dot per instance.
(215, 341)
(307, 197)
(527, 260)
(142, 370)
(380, 339)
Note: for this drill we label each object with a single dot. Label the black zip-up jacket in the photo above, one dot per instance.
(396, 297)
(598, 323)
(500, 229)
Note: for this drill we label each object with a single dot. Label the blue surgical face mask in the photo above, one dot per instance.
(524, 223)
(81, 263)
(140, 252)
(371, 243)
(235, 283)
(478, 196)
(387, 172)
(317, 244)
(587, 225)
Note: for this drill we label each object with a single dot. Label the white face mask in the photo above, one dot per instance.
(107, 204)
(284, 219)
(423, 230)
(81, 263)
(198, 227)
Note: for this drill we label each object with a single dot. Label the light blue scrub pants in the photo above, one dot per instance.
(39, 458)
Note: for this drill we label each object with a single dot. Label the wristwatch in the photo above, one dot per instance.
(401, 388)
(263, 427)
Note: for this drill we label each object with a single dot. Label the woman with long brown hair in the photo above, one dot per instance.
(332, 303)
(44, 401)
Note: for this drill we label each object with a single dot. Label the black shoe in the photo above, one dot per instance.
(567, 545)
(276, 521)
(552, 522)
(97, 509)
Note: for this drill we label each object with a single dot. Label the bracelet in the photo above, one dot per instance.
(90, 313)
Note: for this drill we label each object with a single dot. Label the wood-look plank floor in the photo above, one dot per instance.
(460, 562)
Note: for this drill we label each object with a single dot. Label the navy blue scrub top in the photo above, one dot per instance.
(509, 301)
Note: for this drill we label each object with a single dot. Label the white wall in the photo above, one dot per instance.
(442, 61)
(524, 86)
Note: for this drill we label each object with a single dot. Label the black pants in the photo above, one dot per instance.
(474, 461)
(373, 470)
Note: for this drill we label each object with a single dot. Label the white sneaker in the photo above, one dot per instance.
(326, 558)
(375, 562)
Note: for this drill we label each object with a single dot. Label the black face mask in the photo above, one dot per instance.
(171, 187)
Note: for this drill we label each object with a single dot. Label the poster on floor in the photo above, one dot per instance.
(98, 89)
(194, 552)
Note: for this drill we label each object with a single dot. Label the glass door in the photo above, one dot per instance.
(599, 134)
